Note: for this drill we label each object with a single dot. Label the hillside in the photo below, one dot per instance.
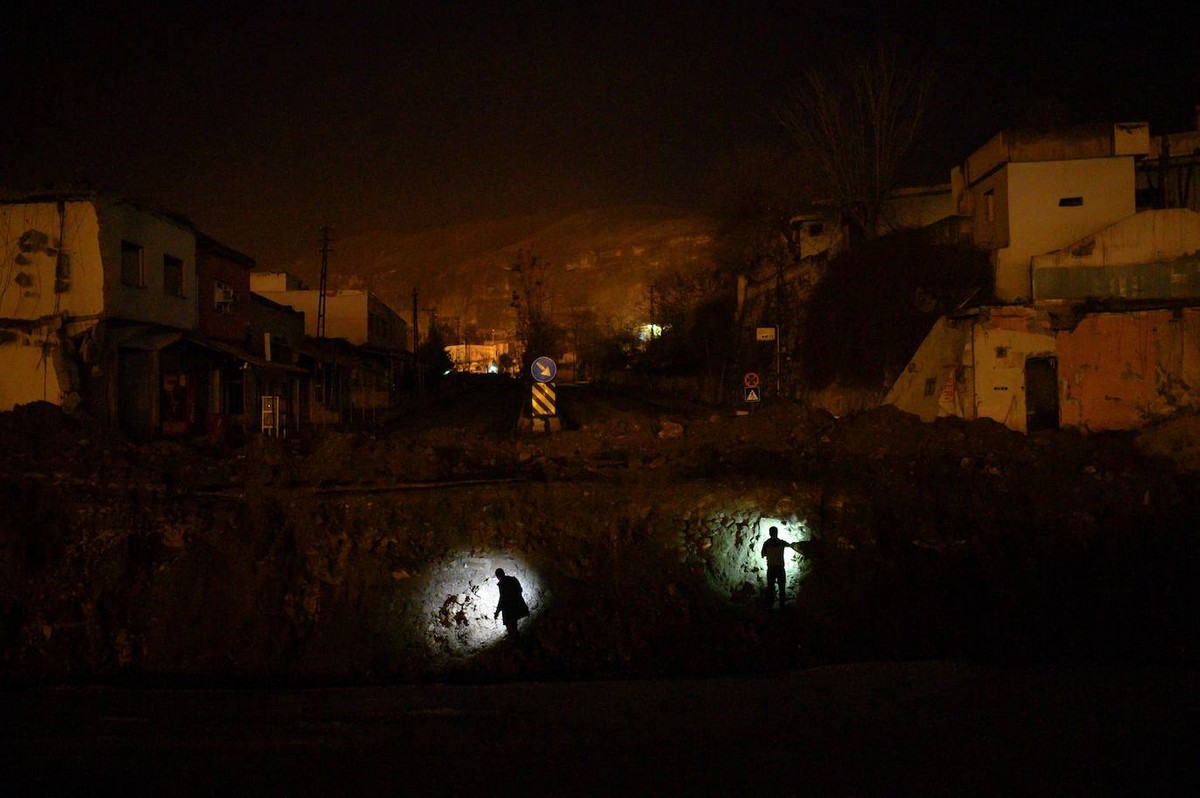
(600, 260)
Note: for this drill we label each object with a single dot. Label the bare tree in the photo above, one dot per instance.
(536, 330)
(858, 119)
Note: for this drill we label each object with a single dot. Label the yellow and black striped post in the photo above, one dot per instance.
(543, 399)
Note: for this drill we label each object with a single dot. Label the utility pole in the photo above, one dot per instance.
(416, 324)
(327, 377)
(418, 374)
(325, 250)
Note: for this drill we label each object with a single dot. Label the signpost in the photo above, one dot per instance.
(543, 369)
(751, 390)
(542, 400)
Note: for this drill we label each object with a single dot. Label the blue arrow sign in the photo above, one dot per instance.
(543, 369)
(753, 394)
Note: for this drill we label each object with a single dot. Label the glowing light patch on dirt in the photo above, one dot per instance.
(458, 597)
(736, 566)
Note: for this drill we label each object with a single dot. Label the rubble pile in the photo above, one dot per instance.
(369, 554)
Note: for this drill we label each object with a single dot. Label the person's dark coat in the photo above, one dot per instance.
(512, 603)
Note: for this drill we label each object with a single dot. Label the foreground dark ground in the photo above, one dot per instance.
(978, 613)
(365, 557)
(886, 729)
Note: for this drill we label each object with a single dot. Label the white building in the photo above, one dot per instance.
(1031, 194)
(355, 315)
(69, 262)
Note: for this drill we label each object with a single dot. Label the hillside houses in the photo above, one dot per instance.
(1094, 235)
(131, 314)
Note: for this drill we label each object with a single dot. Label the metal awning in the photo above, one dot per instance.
(157, 341)
(253, 360)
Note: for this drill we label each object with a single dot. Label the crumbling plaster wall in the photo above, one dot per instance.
(1151, 255)
(1001, 343)
(1120, 370)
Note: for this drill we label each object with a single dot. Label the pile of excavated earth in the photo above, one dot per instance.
(636, 532)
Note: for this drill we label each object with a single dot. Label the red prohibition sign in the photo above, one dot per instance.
(751, 379)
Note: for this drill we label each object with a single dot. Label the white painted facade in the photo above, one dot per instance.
(1150, 255)
(1026, 209)
(1157, 236)
(268, 282)
(1027, 196)
(999, 355)
(61, 275)
(37, 242)
(153, 302)
(352, 314)
(975, 367)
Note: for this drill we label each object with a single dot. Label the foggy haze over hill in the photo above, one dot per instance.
(599, 260)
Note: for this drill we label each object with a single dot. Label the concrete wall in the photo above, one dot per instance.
(1038, 223)
(229, 324)
(1151, 255)
(266, 282)
(27, 370)
(1120, 370)
(50, 260)
(916, 207)
(345, 311)
(385, 328)
(937, 381)
(158, 237)
(1115, 370)
(352, 314)
(1000, 346)
(282, 322)
(989, 217)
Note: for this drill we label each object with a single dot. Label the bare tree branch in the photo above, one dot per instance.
(858, 120)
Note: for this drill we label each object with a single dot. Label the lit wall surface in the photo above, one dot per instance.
(736, 567)
(457, 598)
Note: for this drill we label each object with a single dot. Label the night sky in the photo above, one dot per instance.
(262, 122)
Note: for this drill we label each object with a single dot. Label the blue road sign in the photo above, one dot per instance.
(543, 369)
(753, 394)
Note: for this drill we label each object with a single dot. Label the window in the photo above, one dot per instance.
(930, 385)
(989, 203)
(1001, 352)
(133, 272)
(172, 276)
(222, 297)
(1070, 202)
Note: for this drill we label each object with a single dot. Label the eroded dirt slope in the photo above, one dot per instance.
(368, 555)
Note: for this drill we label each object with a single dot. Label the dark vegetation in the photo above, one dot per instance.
(877, 302)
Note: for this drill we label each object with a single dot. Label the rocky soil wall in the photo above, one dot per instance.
(637, 544)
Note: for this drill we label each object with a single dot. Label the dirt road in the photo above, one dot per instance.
(928, 729)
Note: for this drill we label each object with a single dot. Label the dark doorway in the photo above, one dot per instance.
(1041, 393)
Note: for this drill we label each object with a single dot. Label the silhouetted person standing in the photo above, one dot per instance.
(511, 603)
(772, 549)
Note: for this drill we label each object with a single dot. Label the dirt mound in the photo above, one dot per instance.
(636, 531)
